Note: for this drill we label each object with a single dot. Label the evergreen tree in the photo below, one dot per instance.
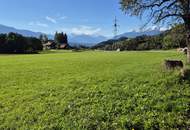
(61, 38)
(43, 38)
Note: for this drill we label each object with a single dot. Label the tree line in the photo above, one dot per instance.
(16, 43)
(174, 38)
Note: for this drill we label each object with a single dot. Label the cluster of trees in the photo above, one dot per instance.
(43, 38)
(16, 43)
(176, 37)
(173, 38)
(109, 43)
(139, 43)
(61, 38)
(60, 41)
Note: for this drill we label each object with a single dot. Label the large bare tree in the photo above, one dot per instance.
(161, 11)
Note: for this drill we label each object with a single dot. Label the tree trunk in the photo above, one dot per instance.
(188, 54)
(188, 45)
(187, 27)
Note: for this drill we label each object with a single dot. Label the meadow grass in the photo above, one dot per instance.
(92, 90)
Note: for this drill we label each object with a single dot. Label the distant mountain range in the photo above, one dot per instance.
(133, 34)
(87, 40)
(7, 29)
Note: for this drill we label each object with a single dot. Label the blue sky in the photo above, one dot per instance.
(72, 16)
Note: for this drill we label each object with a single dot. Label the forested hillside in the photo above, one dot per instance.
(169, 39)
(16, 43)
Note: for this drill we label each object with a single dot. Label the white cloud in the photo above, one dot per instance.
(51, 19)
(164, 28)
(63, 17)
(154, 27)
(42, 24)
(150, 28)
(134, 30)
(38, 24)
(161, 28)
(86, 30)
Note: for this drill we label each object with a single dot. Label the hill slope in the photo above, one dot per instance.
(7, 29)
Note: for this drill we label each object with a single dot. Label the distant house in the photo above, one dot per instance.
(50, 45)
(63, 46)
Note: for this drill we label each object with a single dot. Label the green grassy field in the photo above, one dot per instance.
(92, 90)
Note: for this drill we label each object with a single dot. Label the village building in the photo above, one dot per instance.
(49, 45)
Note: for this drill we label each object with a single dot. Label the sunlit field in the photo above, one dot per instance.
(92, 90)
